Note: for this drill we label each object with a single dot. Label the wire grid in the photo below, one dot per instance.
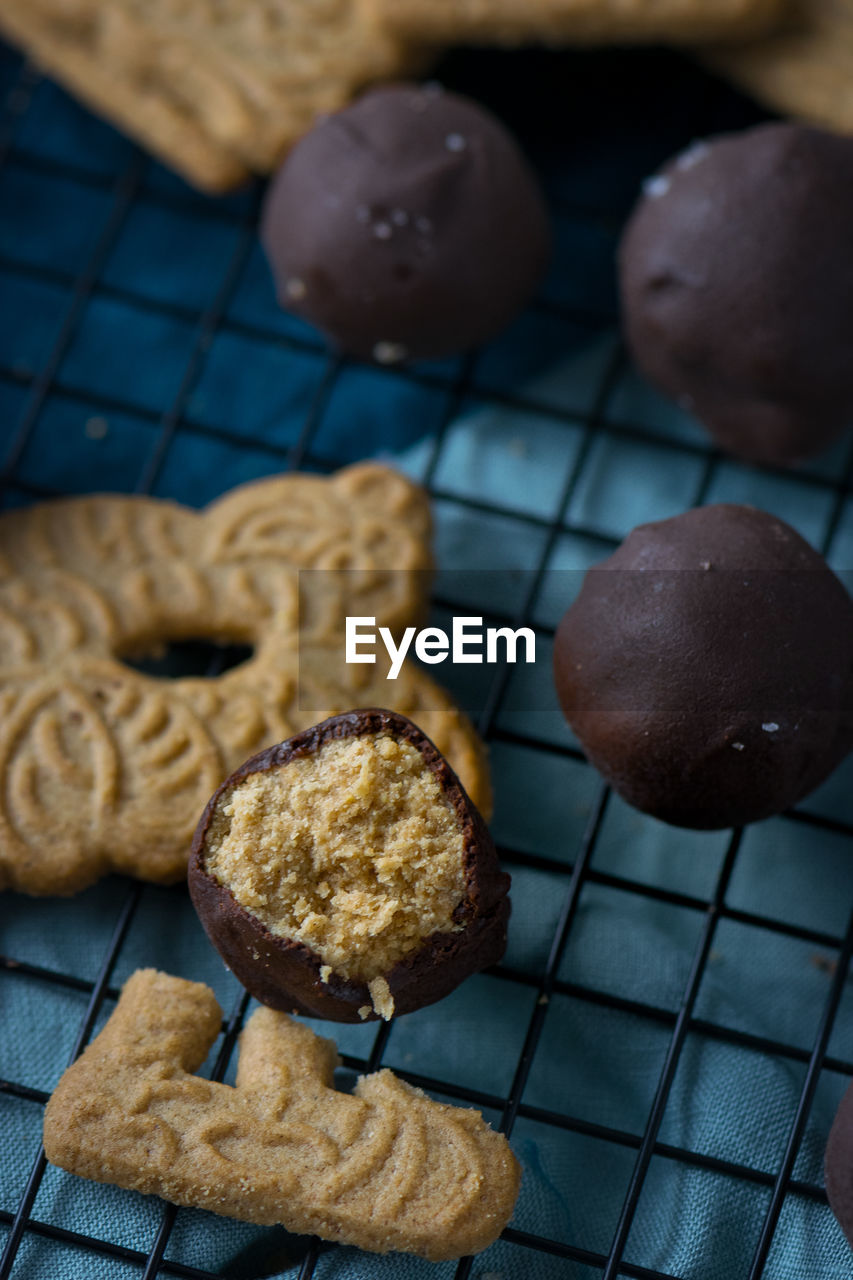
(83, 284)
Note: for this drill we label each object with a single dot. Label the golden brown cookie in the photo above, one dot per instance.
(806, 69)
(515, 22)
(68, 51)
(384, 1168)
(215, 87)
(103, 768)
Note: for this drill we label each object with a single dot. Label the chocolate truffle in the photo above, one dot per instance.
(406, 226)
(707, 667)
(737, 288)
(345, 873)
(838, 1165)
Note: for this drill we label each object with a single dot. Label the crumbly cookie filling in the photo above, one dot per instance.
(353, 850)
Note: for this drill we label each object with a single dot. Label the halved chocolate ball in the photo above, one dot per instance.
(707, 667)
(345, 874)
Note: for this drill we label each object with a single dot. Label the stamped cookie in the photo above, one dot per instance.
(384, 1168)
(215, 87)
(104, 768)
(574, 21)
(806, 69)
(69, 51)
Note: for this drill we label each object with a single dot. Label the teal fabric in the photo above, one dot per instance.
(499, 454)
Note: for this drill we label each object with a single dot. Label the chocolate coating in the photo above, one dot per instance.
(838, 1165)
(285, 974)
(408, 225)
(737, 288)
(707, 667)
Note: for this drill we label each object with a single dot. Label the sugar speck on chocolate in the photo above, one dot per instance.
(692, 156)
(389, 353)
(656, 186)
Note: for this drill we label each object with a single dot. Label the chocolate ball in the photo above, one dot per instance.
(406, 226)
(707, 667)
(345, 874)
(838, 1165)
(737, 288)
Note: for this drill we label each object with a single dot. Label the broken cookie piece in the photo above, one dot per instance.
(345, 874)
(383, 1168)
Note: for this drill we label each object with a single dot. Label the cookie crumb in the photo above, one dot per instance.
(383, 1001)
(96, 428)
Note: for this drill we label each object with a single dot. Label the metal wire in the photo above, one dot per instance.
(575, 867)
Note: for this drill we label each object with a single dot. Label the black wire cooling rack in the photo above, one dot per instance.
(642, 1094)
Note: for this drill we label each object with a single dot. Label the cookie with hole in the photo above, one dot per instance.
(106, 768)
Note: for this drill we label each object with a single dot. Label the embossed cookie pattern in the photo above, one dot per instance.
(217, 88)
(515, 22)
(385, 1168)
(103, 768)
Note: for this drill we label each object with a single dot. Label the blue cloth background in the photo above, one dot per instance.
(497, 438)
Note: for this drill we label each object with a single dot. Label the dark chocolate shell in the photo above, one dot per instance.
(407, 226)
(707, 667)
(737, 294)
(838, 1165)
(286, 974)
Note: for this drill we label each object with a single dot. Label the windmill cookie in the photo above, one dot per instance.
(69, 51)
(804, 69)
(103, 768)
(384, 1168)
(574, 21)
(215, 87)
